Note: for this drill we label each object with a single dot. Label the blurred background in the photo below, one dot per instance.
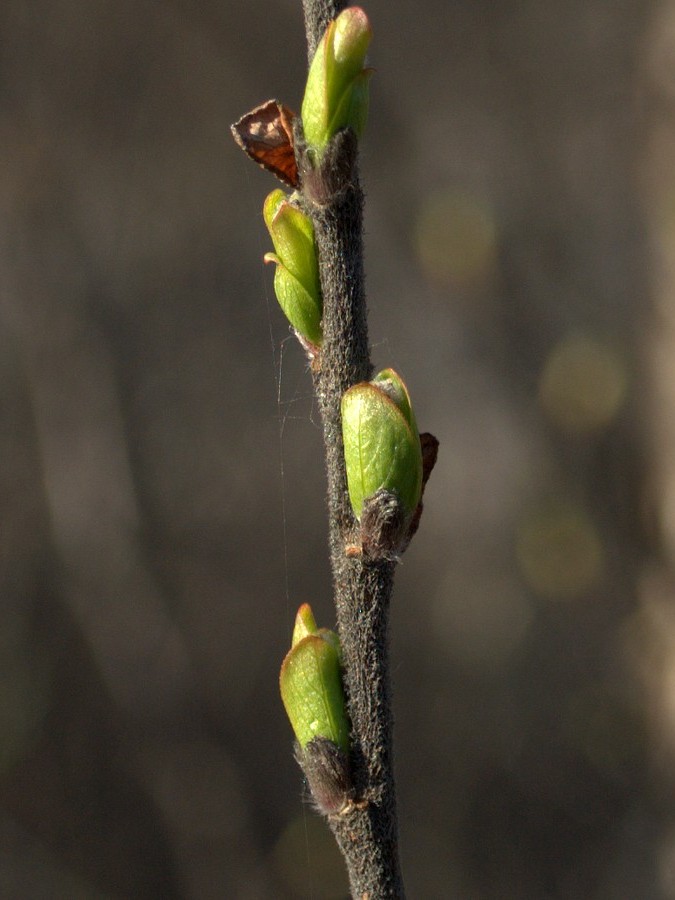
(162, 473)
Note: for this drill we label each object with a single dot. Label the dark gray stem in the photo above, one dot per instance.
(318, 14)
(368, 834)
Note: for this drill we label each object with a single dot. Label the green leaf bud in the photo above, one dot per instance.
(296, 280)
(304, 624)
(311, 685)
(336, 94)
(381, 443)
(392, 383)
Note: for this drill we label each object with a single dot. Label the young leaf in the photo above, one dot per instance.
(381, 442)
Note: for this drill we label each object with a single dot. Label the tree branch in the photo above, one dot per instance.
(367, 833)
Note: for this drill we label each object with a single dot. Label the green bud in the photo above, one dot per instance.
(311, 684)
(336, 95)
(390, 382)
(304, 624)
(296, 280)
(381, 442)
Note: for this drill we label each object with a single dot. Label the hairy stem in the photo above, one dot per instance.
(367, 835)
(318, 14)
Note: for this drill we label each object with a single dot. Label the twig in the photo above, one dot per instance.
(367, 833)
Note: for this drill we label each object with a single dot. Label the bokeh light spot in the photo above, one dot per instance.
(455, 239)
(559, 551)
(583, 385)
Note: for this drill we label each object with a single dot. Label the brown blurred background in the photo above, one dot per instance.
(162, 474)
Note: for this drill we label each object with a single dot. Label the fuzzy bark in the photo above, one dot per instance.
(367, 834)
(318, 14)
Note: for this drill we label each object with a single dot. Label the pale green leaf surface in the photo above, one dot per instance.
(272, 203)
(305, 624)
(293, 238)
(311, 690)
(336, 91)
(301, 309)
(392, 383)
(381, 449)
